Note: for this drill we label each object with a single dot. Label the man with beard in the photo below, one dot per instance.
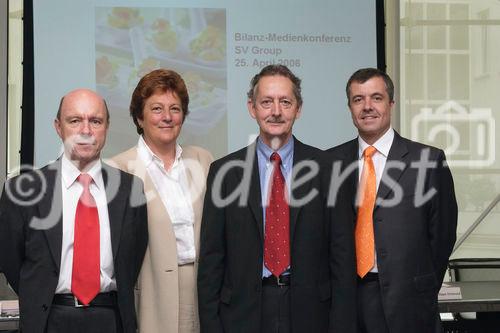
(73, 234)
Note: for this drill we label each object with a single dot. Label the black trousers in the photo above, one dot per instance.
(275, 309)
(93, 319)
(371, 318)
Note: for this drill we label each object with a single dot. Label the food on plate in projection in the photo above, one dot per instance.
(147, 65)
(200, 91)
(124, 18)
(209, 45)
(164, 37)
(105, 72)
(206, 104)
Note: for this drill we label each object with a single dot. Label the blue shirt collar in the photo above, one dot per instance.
(285, 152)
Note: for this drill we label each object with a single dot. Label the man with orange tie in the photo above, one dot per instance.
(404, 210)
(271, 259)
(73, 234)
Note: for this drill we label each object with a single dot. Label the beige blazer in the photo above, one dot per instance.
(157, 294)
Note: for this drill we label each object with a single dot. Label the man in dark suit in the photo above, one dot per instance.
(73, 234)
(405, 214)
(271, 259)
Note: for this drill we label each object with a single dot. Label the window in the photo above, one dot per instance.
(450, 99)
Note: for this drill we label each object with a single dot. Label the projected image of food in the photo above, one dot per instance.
(105, 72)
(209, 45)
(164, 37)
(130, 42)
(124, 18)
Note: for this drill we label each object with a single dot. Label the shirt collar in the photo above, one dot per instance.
(383, 145)
(70, 172)
(148, 157)
(285, 152)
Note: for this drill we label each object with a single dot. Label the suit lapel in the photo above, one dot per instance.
(138, 168)
(163, 239)
(352, 156)
(51, 204)
(116, 196)
(255, 196)
(196, 183)
(298, 155)
(397, 153)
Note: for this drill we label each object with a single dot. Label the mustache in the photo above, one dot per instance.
(275, 120)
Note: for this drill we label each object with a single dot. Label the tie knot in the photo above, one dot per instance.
(85, 179)
(275, 158)
(369, 151)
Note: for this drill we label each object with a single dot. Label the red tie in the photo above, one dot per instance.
(277, 231)
(365, 241)
(85, 281)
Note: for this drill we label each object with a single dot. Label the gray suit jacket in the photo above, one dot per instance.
(413, 242)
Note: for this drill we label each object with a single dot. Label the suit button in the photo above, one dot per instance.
(45, 307)
(378, 219)
(55, 273)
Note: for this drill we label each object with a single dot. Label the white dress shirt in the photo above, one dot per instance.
(71, 192)
(383, 145)
(173, 188)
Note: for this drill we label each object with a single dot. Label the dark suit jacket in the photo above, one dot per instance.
(322, 285)
(413, 243)
(30, 249)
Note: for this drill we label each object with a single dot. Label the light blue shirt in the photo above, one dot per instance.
(265, 171)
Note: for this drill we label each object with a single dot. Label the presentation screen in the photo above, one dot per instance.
(217, 47)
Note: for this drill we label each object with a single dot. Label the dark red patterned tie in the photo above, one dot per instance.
(85, 280)
(277, 231)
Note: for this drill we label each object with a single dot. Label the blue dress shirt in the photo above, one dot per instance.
(265, 171)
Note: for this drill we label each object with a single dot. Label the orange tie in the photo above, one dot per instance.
(365, 243)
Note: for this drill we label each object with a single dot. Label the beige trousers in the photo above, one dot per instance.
(187, 302)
